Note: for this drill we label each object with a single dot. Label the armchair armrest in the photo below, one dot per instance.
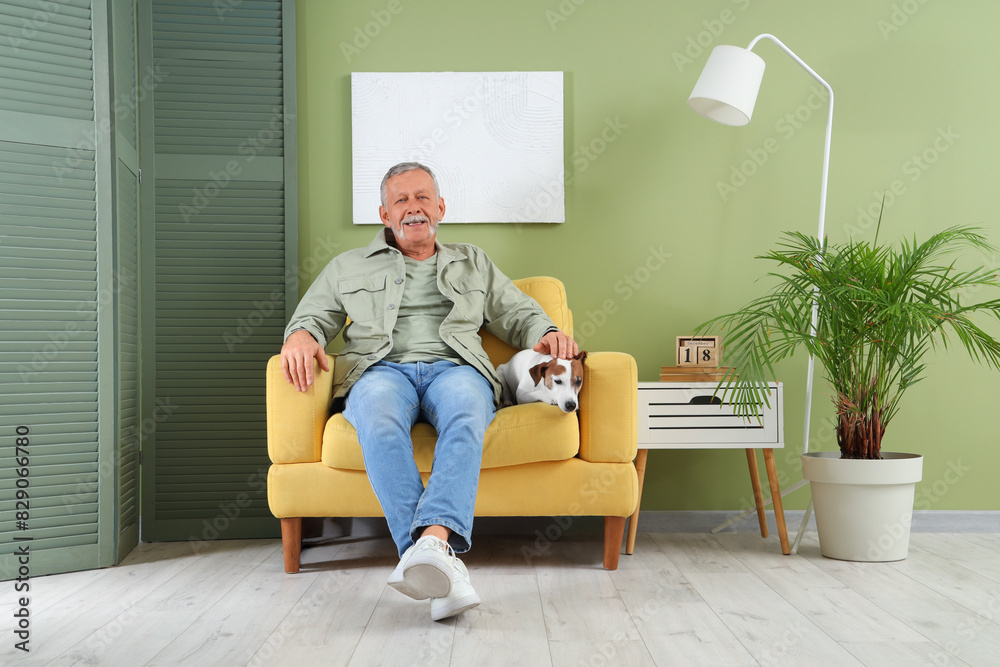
(296, 419)
(609, 408)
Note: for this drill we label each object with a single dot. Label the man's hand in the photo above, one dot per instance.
(296, 359)
(558, 345)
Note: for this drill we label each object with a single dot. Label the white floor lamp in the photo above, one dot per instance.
(726, 92)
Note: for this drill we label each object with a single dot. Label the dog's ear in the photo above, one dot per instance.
(577, 367)
(537, 372)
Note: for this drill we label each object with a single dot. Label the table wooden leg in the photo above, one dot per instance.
(779, 510)
(633, 522)
(758, 494)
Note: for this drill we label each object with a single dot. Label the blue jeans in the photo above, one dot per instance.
(457, 401)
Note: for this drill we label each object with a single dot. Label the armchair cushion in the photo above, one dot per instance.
(519, 434)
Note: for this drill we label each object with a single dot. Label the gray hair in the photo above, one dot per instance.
(402, 168)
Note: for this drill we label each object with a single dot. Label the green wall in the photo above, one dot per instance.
(917, 96)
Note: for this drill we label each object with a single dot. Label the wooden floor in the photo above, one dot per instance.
(682, 599)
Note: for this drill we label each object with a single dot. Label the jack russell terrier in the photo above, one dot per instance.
(532, 377)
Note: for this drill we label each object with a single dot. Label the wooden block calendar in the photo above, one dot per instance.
(698, 351)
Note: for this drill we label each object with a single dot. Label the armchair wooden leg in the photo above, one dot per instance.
(291, 543)
(633, 523)
(614, 530)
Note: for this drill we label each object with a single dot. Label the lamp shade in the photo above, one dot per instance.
(726, 91)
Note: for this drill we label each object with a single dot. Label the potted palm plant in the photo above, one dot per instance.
(869, 314)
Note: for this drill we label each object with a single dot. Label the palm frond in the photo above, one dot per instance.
(881, 309)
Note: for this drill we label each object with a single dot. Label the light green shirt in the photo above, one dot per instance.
(417, 333)
(366, 285)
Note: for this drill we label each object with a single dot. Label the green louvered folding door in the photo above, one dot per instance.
(125, 284)
(57, 318)
(220, 238)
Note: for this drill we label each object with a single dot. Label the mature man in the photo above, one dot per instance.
(412, 351)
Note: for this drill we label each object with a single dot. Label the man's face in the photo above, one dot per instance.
(412, 208)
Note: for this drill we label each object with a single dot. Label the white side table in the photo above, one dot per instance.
(683, 415)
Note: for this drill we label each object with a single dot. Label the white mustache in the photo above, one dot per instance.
(414, 218)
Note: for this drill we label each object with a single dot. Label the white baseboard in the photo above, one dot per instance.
(925, 521)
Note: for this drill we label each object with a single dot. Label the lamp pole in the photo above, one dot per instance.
(742, 102)
(810, 373)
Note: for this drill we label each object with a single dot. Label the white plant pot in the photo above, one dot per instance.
(863, 508)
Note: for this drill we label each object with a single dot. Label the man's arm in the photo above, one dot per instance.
(318, 318)
(516, 318)
(297, 353)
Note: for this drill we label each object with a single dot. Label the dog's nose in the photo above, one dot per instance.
(569, 406)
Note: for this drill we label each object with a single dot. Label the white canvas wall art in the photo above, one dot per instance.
(493, 139)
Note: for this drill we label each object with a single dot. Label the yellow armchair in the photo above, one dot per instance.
(537, 461)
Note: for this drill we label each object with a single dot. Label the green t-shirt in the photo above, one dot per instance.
(416, 335)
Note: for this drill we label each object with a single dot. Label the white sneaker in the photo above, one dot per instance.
(425, 570)
(462, 597)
